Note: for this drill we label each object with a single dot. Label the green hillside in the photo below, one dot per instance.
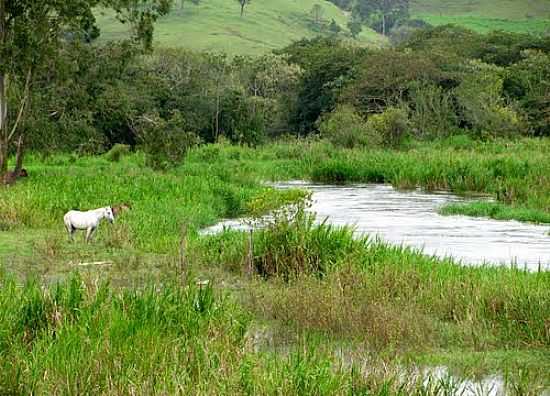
(217, 25)
(498, 9)
(486, 15)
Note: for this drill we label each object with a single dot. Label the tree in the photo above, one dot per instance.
(334, 27)
(141, 15)
(381, 15)
(243, 4)
(355, 26)
(328, 65)
(31, 36)
(316, 13)
(343, 4)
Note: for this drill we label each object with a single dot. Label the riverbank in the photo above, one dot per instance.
(316, 291)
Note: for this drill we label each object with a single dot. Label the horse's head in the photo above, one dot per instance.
(109, 214)
(117, 209)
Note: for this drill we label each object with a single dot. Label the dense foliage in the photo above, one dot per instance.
(443, 81)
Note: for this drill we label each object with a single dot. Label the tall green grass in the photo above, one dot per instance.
(196, 194)
(77, 337)
(314, 282)
(391, 294)
(496, 211)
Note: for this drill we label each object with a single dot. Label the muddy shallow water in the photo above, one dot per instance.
(410, 218)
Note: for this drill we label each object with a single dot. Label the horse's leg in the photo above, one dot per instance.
(70, 230)
(90, 233)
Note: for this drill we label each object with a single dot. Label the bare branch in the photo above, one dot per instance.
(23, 104)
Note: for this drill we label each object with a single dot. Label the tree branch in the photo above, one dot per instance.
(23, 104)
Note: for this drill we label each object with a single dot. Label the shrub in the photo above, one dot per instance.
(117, 152)
(165, 143)
(391, 126)
(432, 112)
(292, 244)
(346, 128)
(72, 132)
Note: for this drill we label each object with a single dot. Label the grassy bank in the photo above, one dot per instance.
(496, 211)
(516, 174)
(324, 313)
(220, 181)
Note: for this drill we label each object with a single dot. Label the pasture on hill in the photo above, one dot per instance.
(216, 25)
(519, 16)
(502, 9)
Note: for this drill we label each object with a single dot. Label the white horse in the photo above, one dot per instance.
(89, 220)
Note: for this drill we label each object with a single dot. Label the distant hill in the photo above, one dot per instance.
(485, 15)
(217, 25)
(498, 9)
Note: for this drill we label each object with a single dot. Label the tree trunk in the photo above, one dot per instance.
(3, 98)
(217, 133)
(383, 24)
(3, 126)
(19, 156)
(242, 7)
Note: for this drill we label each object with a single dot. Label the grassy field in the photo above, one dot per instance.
(499, 9)
(324, 314)
(487, 24)
(483, 16)
(216, 25)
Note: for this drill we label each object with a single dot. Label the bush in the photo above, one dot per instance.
(117, 152)
(165, 143)
(432, 112)
(391, 126)
(292, 244)
(346, 128)
(72, 132)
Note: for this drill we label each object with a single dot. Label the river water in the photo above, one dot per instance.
(410, 218)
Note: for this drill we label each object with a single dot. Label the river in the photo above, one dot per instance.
(411, 218)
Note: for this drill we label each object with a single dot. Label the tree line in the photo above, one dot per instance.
(61, 93)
